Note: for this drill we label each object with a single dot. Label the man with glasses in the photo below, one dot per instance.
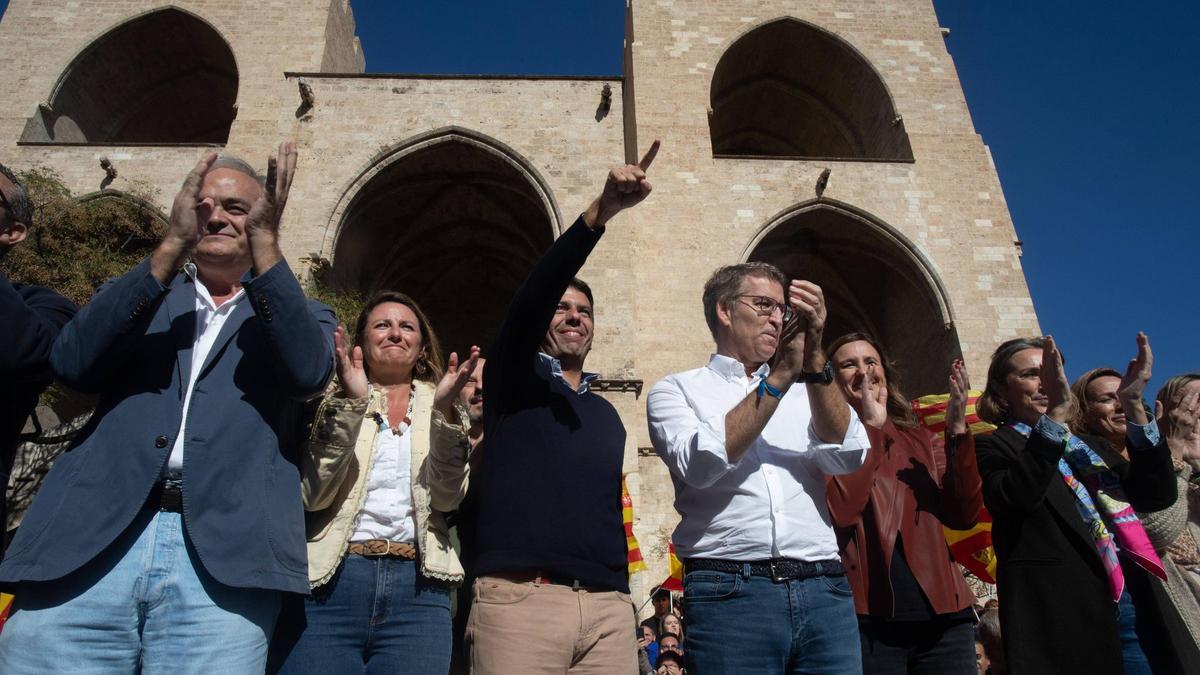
(748, 454)
(30, 319)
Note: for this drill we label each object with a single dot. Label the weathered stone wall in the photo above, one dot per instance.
(648, 270)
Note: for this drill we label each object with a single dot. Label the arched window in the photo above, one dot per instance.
(789, 89)
(457, 223)
(873, 281)
(166, 77)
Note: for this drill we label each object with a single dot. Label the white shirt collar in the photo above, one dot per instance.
(733, 370)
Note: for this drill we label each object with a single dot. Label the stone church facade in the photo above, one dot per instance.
(830, 138)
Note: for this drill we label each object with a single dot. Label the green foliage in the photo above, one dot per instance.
(74, 246)
(321, 285)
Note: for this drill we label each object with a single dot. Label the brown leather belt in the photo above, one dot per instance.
(382, 548)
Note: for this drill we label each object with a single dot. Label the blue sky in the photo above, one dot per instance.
(1090, 110)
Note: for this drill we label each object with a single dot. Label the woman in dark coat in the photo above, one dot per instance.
(1079, 583)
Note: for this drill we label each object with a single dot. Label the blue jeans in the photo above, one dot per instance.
(145, 604)
(736, 624)
(377, 615)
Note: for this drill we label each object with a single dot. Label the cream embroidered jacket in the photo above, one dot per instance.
(334, 468)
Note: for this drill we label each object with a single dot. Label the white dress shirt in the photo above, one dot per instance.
(769, 504)
(387, 511)
(209, 320)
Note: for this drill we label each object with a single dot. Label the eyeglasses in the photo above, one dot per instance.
(764, 306)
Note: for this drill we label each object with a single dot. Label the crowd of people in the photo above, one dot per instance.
(261, 489)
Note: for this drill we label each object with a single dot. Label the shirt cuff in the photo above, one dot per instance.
(1051, 430)
(1142, 436)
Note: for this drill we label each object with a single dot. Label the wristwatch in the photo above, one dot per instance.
(823, 377)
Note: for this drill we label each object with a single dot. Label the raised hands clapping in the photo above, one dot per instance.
(1054, 383)
(956, 405)
(1133, 384)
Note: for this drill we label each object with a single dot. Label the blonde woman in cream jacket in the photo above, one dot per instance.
(386, 459)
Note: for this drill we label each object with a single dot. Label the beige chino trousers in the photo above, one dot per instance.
(524, 627)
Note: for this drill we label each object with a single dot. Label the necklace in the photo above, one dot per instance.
(406, 423)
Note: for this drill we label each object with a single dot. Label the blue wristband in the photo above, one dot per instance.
(764, 388)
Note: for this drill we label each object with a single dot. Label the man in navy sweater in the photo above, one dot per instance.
(30, 319)
(552, 593)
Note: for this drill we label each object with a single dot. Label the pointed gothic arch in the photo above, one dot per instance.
(455, 219)
(790, 89)
(874, 280)
(165, 77)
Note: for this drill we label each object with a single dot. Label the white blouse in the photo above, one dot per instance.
(387, 511)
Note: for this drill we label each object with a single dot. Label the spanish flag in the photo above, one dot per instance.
(5, 604)
(971, 548)
(636, 564)
(674, 582)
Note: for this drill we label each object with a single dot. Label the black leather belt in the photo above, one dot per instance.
(776, 569)
(167, 496)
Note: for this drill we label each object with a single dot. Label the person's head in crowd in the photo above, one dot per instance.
(671, 623)
(471, 397)
(987, 634)
(1173, 394)
(745, 308)
(397, 341)
(16, 212)
(992, 603)
(1014, 383)
(569, 336)
(670, 641)
(669, 663)
(662, 602)
(647, 633)
(1099, 411)
(852, 356)
(229, 191)
(981, 659)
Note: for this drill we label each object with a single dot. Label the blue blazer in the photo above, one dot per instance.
(132, 345)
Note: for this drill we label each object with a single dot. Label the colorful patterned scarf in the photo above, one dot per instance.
(1101, 503)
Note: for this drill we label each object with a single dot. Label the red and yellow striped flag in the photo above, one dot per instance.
(674, 581)
(636, 564)
(6, 600)
(971, 548)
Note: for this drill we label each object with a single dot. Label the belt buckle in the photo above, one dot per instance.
(371, 548)
(775, 576)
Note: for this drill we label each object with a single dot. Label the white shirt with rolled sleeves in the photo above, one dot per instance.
(769, 504)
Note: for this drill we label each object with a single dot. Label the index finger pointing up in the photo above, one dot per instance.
(650, 154)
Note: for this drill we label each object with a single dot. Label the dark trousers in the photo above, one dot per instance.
(933, 647)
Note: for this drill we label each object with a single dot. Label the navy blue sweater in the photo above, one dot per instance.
(550, 480)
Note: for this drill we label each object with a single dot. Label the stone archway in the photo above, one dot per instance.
(456, 220)
(790, 89)
(874, 280)
(165, 77)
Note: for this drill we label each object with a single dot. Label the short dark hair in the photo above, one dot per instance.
(18, 201)
(430, 365)
(669, 655)
(660, 593)
(664, 636)
(723, 287)
(582, 286)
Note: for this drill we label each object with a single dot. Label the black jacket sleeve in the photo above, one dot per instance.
(1015, 482)
(511, 358)
(31, 317)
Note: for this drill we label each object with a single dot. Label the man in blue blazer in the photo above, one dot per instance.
(164, 537)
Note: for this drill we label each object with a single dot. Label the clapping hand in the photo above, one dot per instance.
(625, 187)
(453, 381)
(1054, 383)
(267, 211)
(956, 406)
(1184, 430)
(872, 398)
(350, 370)
(183, 227)
(1137, 375)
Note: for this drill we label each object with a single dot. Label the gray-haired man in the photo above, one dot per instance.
(748, 454)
